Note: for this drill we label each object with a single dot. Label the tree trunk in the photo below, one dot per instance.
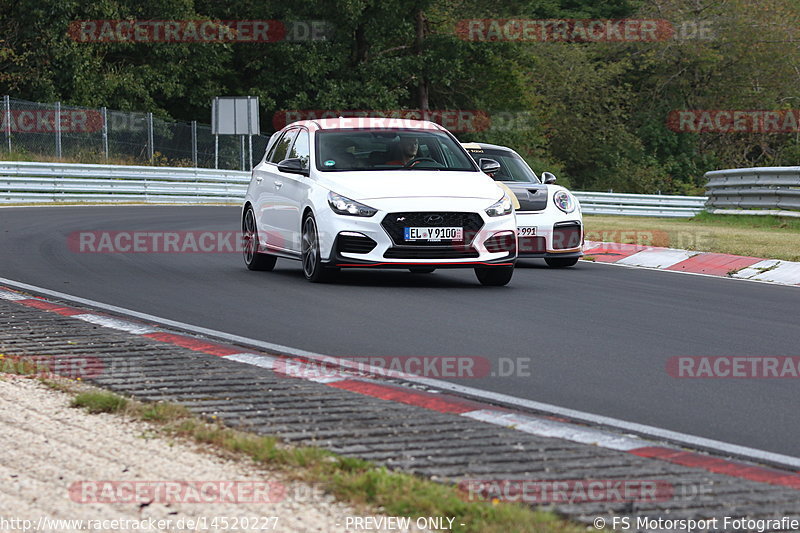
(422, 84)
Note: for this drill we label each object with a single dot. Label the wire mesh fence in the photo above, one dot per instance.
(92, 135)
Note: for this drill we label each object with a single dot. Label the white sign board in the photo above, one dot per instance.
(235, 115)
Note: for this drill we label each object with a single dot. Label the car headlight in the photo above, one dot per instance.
(345, 206)
(502, 207)
(564, 201)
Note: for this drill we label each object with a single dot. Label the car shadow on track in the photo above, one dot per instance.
(539, 264)
(361, 277)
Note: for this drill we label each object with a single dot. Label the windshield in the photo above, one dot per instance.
(512, 166)
(389, 149)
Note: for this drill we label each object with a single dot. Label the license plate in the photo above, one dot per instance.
(526, 231)
(434, 234)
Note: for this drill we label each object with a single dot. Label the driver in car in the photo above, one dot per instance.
(407, 148)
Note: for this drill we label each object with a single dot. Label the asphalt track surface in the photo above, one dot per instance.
(598, 336)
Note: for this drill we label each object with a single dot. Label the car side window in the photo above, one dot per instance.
(282, 146)
(271, 145)
(300, 149)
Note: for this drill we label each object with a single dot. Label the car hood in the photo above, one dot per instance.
(411, 184)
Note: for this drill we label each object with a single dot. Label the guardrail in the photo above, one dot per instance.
(643, 205)
(22, 182)
(755, 191)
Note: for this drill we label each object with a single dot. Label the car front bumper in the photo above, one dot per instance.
(368, 242)
(555, 235)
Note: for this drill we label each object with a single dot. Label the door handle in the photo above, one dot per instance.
(278, 184)
(259, 178)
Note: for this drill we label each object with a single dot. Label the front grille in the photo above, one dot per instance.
(449, 252)
(355, 244)
(471, 222)
(530, 197)
(566, 235)
(532, 245)
(505, 242)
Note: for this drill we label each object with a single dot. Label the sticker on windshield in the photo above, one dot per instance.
(330, 163)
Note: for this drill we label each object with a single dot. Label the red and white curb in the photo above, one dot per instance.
(542, 425)
(708, 263)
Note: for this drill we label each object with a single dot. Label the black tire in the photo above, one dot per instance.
(252, 258)
(313, 269)
(561, 262)
(494, 276)
(422, 270)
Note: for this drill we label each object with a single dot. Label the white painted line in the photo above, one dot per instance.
(263, 361)
(304, 370)
(773, 270)
(560, 430)
(757, 268)
(657, 257)
(580, 416)
(116, 323)
(14, 296)
(687, 273)
(787, 272)
(787, 276)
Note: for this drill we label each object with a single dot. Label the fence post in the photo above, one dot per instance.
(216, 151)
(194, 143)
(7, 112)
(58, 130)
(241, 150)
(150, 137)
(104, 112)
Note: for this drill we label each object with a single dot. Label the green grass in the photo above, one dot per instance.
(767, 237)
(749, 221)
(367, 487)
(100, 402)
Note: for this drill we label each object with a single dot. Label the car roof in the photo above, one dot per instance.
(367, 123)
(486, 146)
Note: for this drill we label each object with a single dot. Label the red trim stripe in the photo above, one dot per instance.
(400, 263)
(609, 252)
(435, 402)
(714, 264)
(193, 344)
(721, 466)
(55, 308)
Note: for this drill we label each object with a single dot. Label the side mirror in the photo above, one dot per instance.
(548, 177)
(489, 166)
(293, 166)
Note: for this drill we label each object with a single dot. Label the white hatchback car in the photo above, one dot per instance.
(376, 193)
(549, 220)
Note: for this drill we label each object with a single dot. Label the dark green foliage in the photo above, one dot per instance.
(595, 112)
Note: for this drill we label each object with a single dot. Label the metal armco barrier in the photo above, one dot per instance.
(755, 191)
(642, 205)
(68, 182)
